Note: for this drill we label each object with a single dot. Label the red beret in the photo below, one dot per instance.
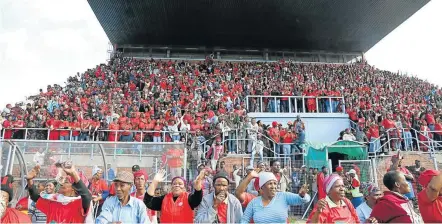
(426, 176)
(339, 169)
(140, 173)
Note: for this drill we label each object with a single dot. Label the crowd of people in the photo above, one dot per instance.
(262, 195)
(159, 101)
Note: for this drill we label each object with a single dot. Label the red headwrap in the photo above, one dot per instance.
(339, 169)
(256, 184)
(140, 173)
(274, 124)
(426, 176)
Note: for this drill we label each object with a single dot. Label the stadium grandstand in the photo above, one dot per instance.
(202, 89)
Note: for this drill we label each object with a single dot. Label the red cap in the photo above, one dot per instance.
(339, 169)
(140, 173)
(426, 176)
(274, 123)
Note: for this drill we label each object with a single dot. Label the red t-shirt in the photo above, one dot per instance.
(57, 212)
(431, 211)
(12, 215)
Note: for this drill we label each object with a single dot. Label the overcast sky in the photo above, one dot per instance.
(43, 42)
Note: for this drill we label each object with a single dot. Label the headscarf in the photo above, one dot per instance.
(369, 188)
(330, 180)
(181, 178)
(426, 176)
(265, 177)
(339, 169)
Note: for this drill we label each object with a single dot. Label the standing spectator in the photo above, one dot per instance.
(394, 207)
(219, 206)
(335, 207)
(274, 203)
(177, 206)
(174, 158)
(99, 190)
(72, 203)
(123, 208)
(140, 180)
(215, 153)
(357, 197)
(320, 177)
(430, 199)
(282, 180)
(396, 165)
(416, 170)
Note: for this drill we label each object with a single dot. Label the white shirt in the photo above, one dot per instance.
(363, 211)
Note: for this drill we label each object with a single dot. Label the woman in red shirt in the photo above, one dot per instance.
(335, 208)
(113, 135)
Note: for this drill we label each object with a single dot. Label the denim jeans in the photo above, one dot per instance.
(175, 138)
(64, 138)
(407, 140)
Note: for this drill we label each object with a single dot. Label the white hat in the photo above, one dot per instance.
(95, 170)
(265, 177)
(352, 171)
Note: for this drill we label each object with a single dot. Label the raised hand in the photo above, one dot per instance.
(68, 168)
(303, 190)
(160, 176)
(255, 172)
(321, 205)
(33, 173)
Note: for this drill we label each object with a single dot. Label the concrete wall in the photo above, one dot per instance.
(319, 127)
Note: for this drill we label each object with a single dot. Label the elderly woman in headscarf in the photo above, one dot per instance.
(335, 207)
(178, 205)
(272, 206)
(371, 193)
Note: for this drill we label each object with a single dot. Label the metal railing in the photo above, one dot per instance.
(92, 135)
(294, 104)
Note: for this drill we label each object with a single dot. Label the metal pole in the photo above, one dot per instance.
(317, 105)
(303, 104)
(276, 106)
(185, 160)
(103, 155)
(237, 143)
(375, 175)
(11, 164)
(7, 160)
(26, 133)
(261, 102)
(247, 103)
(343, 105)
(330, 104)
(435, 163)
(296, 104)
(290, 104)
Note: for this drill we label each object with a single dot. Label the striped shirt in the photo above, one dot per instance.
(276, 211)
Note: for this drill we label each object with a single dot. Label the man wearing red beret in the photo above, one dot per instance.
(430, 199)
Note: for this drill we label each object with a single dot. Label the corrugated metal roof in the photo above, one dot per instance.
(308, 25)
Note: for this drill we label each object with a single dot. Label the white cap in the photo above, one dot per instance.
(265, 177)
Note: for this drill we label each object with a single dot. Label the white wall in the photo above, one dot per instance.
(319, 127)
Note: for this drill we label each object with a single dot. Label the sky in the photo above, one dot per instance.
(44, 42)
